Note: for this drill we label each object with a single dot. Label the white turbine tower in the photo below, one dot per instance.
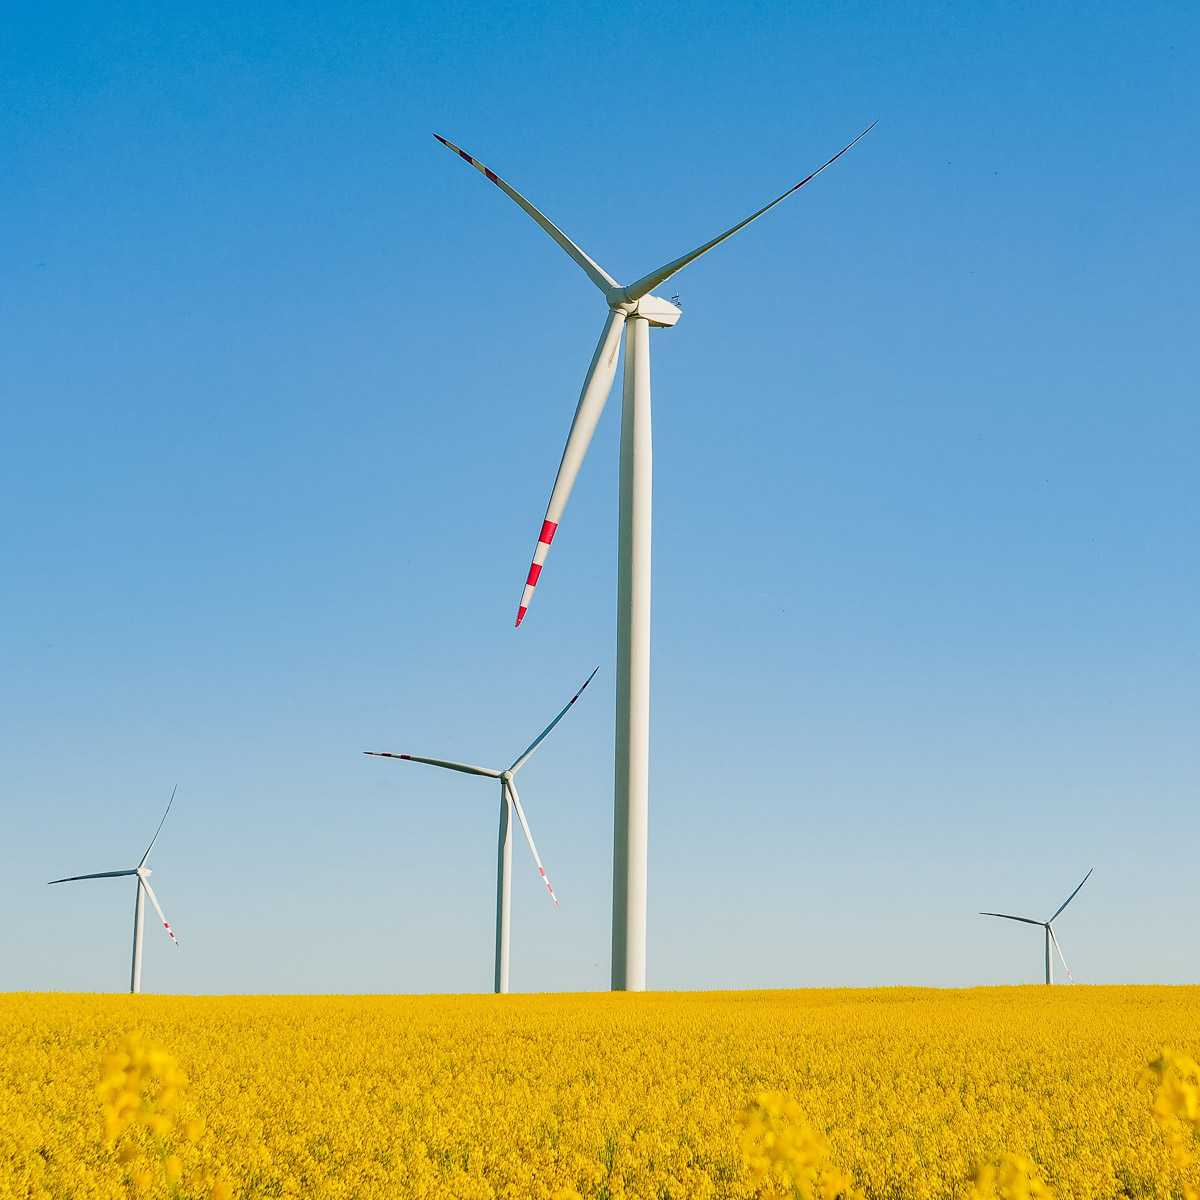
(1048, 927)
(142, 872)
(509, 802)
(635, 309)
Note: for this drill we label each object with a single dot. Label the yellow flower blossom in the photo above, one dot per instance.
(1176, 1110)
(1012, 1178)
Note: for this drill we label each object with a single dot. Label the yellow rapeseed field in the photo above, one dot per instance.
(1013, 1092)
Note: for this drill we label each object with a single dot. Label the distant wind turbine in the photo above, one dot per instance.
(509, 802)
(139, 910)
(1048, 926)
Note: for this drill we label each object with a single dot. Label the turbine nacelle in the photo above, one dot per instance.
(661, 314)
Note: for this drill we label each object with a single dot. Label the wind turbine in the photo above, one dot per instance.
(634, 308)
(139, 909)
(509, 802)
(1048, 926)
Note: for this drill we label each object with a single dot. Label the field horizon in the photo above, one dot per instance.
(851, 989)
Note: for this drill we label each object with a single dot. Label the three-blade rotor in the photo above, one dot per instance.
(623, 302)
(141, 871)
(1048, 926)
(505, 776)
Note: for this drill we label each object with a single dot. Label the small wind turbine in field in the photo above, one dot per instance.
(510, 802)
(635, 310)
(142, 872)
(1048, 927)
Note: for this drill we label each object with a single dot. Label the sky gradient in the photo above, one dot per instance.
(286, 386)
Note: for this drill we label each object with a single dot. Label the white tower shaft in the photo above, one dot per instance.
(503, 894)
(139, 921)
(1049, 961)
(632, 768)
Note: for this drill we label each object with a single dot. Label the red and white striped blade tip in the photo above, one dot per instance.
(386, 754)
(545, 537)
(467, 157)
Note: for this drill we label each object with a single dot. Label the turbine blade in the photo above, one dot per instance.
(1073, 894)
(1060, 954)
(465, 768)
(512, 791)
(158, 909)
(596, 273)
(160, 825)
(635, 291)
(96, 875)
(596, 386)
(1010, 917)
(527, 753)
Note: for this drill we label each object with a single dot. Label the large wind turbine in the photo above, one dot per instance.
(1048, 926)
(509, 802)
(139, 909)
(634, 308)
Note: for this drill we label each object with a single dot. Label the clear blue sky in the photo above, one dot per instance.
(286, 385)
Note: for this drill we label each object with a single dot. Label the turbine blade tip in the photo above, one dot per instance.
(520, 616)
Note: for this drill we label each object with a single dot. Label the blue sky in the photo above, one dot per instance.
(285, 389)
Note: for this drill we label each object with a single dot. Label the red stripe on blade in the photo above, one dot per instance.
(547, 534)
(521, 614)
(535, 570)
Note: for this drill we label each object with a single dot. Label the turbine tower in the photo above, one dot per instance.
(139, 908)
(634, 309)
(1048, 927)
(510, 802)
